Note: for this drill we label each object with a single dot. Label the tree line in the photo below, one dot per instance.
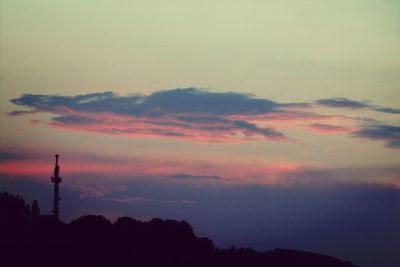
(28, 238)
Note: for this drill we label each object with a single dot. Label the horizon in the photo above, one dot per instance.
(262, 124)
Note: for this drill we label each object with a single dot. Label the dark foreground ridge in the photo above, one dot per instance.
(30, 239)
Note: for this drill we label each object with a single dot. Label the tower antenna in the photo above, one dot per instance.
(56, 179)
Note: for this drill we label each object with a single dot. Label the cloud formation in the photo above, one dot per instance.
(112, 177)
(387, 133)
(187, 100)
(198, 115)
(339, 102)
(188, 113)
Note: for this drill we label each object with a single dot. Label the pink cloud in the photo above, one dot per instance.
(224, 130)
(80, 171)
(124, 169)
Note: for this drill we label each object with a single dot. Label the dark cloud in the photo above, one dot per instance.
(88, 102)
(21, 154)
(187, 100)
(341, 103)
(188, 113)
(75, 120)
(388, 110)
(168, 113)
(192, 100)
(175, 101)
(10, 156)
(21, 112)
(203, 119)
(387, 133)
(250, 129)
(353, 104)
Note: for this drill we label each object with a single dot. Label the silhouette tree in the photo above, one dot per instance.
(35, 213)
(14, 215)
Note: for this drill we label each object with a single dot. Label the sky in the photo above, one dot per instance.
(262, 123)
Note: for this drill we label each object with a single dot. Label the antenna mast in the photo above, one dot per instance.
(56, 179)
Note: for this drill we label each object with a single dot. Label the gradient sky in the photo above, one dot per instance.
(262, 123)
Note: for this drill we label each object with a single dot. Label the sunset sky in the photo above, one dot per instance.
(262, 123)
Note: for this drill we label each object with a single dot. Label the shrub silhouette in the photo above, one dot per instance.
(14, 216)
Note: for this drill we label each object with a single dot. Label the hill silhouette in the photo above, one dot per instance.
(28, 238)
